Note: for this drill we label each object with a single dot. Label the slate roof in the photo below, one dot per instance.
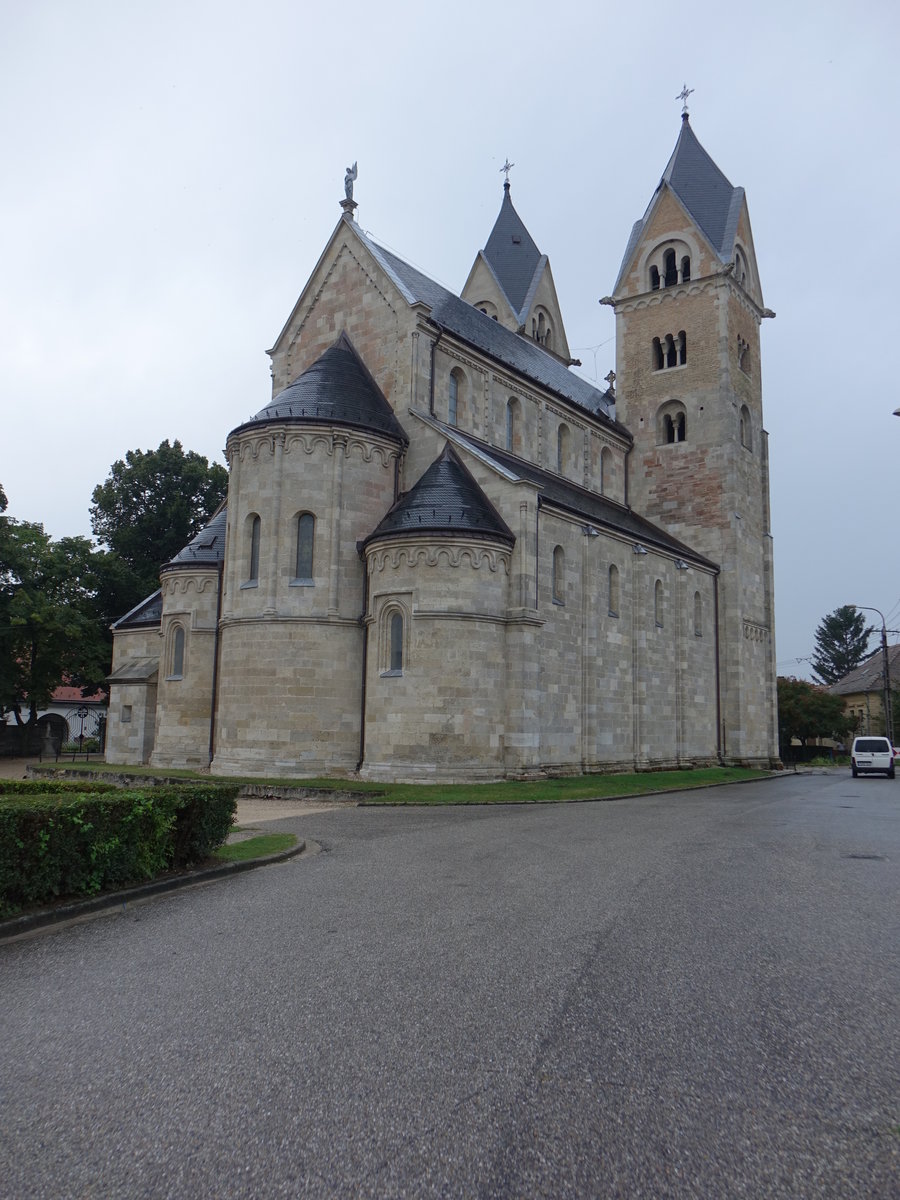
(512, 255)
(206, 547)
(446, 500)
(869, 675)
(337, 390)
(593, 508)
(704, 191)
(518, 353)
(148, 612)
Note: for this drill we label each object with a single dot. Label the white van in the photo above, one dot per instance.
(871, 755)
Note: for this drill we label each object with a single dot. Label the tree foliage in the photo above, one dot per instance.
(842, 639)
(50, 631)
(150, 506)
(806, 710)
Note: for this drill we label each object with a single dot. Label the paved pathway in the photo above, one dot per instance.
(679, 996)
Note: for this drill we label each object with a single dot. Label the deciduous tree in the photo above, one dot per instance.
(806, 710)
(150, 506)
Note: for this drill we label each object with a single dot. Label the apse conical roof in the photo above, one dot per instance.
(337, 389)
(446, 500)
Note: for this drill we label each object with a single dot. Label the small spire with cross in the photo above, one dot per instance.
(683, 97)
(506, 168)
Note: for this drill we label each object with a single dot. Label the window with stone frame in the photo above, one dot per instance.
(251, 551)
(456, 390)
(304, 548)
(563, 441)
(613, 589)
(512, 423)
(746, 428)
(658, 603)
(698, 615)
(606, 471)
(393, 639)
(176, 652)
(559, 575)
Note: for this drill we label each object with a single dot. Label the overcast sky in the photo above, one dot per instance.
(172, 171)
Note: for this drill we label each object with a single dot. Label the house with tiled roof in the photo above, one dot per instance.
(445, 555)
(863, 690)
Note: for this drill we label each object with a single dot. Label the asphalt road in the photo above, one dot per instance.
(694, 995)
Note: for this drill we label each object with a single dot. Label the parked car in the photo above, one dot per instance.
(871, 756)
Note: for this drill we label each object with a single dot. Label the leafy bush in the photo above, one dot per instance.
(59, 839)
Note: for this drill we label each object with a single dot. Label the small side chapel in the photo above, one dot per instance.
(446, 556)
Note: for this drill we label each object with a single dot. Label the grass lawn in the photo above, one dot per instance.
(542, 791)
(257, 847)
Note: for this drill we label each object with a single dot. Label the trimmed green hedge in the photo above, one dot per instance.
(61, 840)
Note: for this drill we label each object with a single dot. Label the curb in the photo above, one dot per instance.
(29, 922)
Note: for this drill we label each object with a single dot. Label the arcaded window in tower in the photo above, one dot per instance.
(671, 268)
(613, 590)
(658, 603)
(671, 351)
(671, 423)
(685, 269)
(654, 279)
(563, 441)
(306, 533)
(559, 572)
(746, 428)
(743, 353)
(251, 554)
(682, 348)
(657, 355)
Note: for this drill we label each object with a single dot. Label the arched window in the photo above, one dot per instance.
(559, 571)
(654, 279)
(658, 360)
(685, 269)
(453, 405)
(740, 268)
(562, 448)
(746, 428)
(682, 348)
(658, 603)
(396, 642)
(671, 423)
(306, 535)
(252, 550)
(176, 662)
(743, 349)
(512, 420)
(606, 471)
(671, 269)
(698, 615)
(671, 352)
(613, 590)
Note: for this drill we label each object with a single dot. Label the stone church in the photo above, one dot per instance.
(446, 556)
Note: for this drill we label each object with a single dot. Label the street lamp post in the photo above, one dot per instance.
(885, 672)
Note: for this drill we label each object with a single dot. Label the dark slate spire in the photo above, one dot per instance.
(703, 189)
(512, 254)
(207, 548)
(446, 500)
(336, 389)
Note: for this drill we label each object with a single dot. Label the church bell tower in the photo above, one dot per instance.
(688, 307)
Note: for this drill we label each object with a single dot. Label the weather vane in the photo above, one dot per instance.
(507, 167)
(683, 97)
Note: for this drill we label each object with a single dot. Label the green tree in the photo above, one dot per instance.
(806, 710)
(841, 641)
(150, 506)
(50, 632)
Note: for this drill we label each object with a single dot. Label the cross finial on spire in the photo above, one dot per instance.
(507, 167)
(683, 97)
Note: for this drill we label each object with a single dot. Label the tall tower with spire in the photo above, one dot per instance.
(511, 281)
(688, 306)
